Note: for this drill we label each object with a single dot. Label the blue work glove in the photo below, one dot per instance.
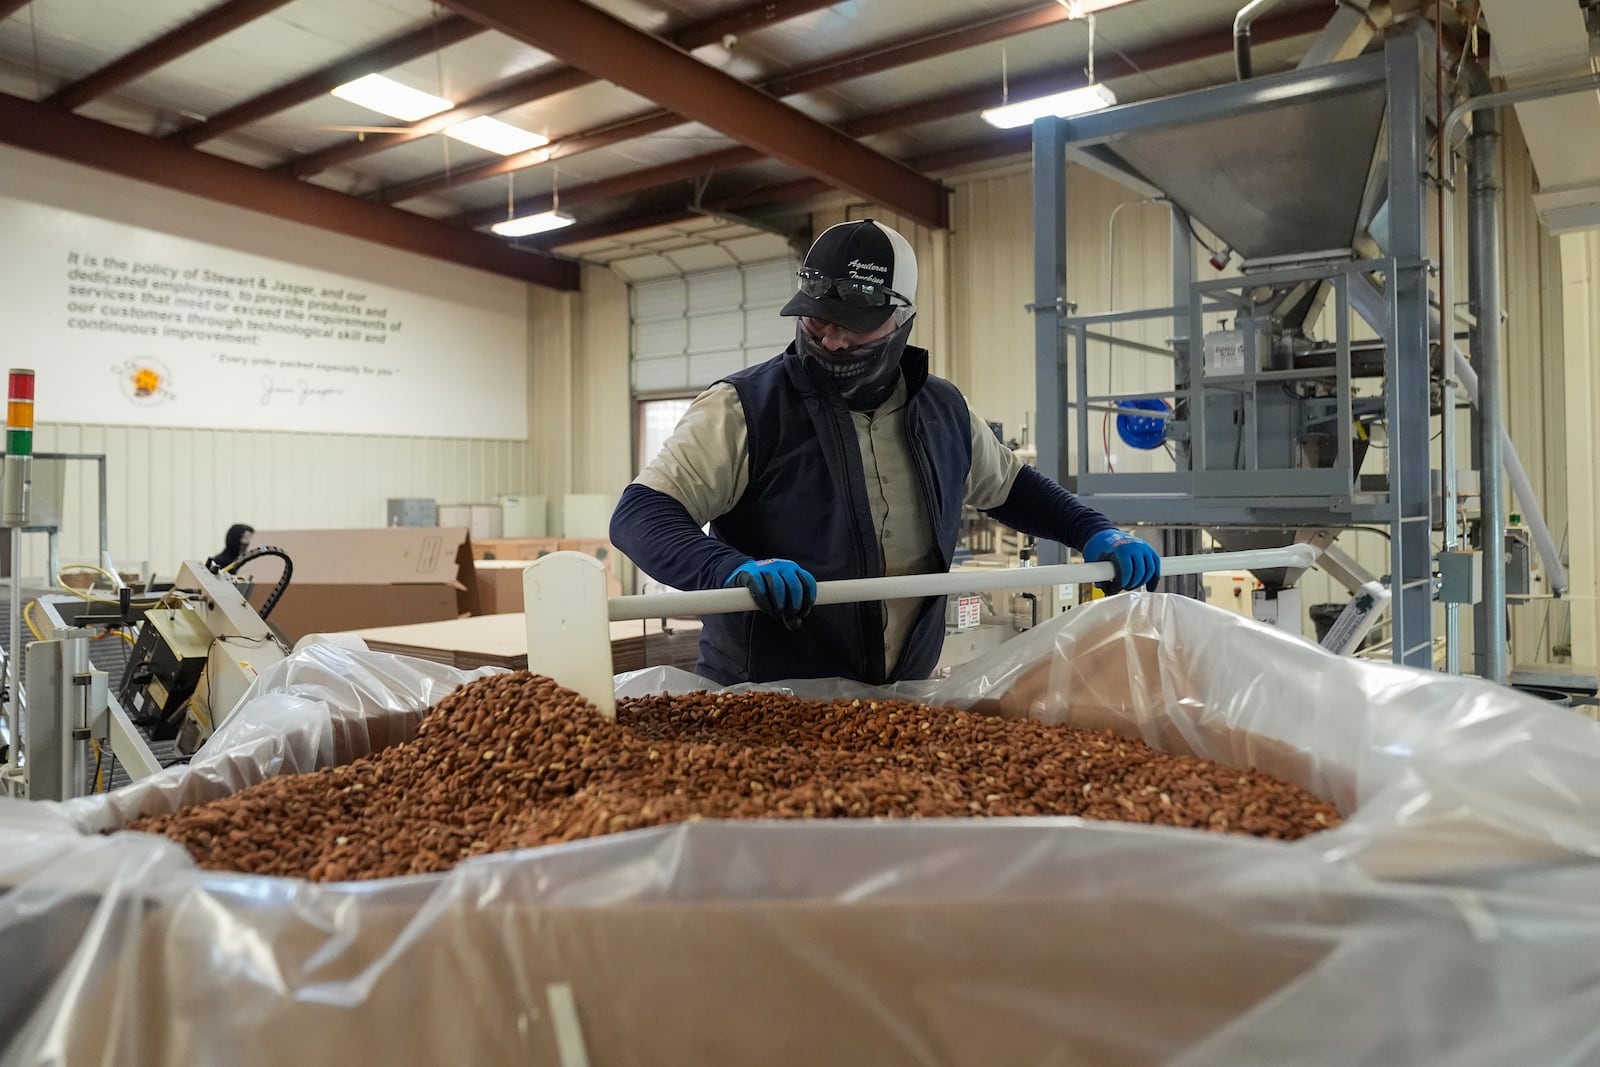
(1135, 562)
(781, 588)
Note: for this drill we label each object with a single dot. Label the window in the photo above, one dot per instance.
(656, 420)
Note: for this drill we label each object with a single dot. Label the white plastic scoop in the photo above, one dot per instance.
(569, 615)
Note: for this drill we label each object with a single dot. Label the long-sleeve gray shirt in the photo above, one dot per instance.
(705, 466)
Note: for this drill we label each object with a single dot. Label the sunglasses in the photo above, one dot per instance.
(850, 291)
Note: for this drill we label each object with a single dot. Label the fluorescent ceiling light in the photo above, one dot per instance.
(492, 135)
(388, 97)
(543, 222)
(1062, 105)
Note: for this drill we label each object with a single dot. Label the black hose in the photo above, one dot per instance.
(283, 581)
(1241, 54)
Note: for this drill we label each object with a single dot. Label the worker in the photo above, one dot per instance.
(840, 458)
(234, 545)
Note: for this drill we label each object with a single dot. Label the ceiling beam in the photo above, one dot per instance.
(634, 181)
(520, 90)
(594, 231)
(527, 88)
(1009, 143)
(1206, 45)
(666, 215)
(918, 47)
(202, 29)
(40, 128)
(828, 71)
(589, 140)
(436, 34)
(611, 49)
(932, 109)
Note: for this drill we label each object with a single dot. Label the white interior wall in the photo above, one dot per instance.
(991, 278)
(1580, 263)
(173, 491)
(1536, 386)
(580, 418)
(580, 404)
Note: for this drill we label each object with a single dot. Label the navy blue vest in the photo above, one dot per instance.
(807, 501)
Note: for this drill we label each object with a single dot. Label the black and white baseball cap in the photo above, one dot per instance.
(864, 251)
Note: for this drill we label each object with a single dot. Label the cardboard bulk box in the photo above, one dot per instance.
(500, 585)
(523, 548)
(603, 551)
(351, 579)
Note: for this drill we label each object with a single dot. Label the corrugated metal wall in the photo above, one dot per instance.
(174, 492)
(1536, 386)
(992, 357)
(580, 407)
(1580, 263)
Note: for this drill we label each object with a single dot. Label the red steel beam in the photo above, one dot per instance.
(932, 109)
(536, 86)
(586, 141)
(914, 49)
(781, 193)
(202, 29)
(611, 49)
(829, 71)
(1205, 45)
(1012, 142)
(664, 216)
(40, 128)
(520, 90)
(440, 33)
(621, 185)
(593, 231)
(1008, 143)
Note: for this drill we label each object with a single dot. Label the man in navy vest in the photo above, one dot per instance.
(840, 458)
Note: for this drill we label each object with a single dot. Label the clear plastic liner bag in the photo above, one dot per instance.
(1013, 941)
(323, 706)
(1436, 774)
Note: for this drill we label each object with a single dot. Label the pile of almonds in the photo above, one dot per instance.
(515, 761)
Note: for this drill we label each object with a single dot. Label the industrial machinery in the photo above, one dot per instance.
(198, 648)
(193, 661)
(1285, 376)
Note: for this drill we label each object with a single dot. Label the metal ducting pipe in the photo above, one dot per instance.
(1521, 484)
(1484, 296)
(1367, 300)
(1241, 34)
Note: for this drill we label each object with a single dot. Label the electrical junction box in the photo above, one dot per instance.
(1519, 562)
(1460, 577)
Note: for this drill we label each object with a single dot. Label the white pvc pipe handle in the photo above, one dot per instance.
(912, 586)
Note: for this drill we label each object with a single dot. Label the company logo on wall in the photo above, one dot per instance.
(145, 381)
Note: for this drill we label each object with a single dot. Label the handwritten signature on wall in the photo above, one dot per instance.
(299, 392)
